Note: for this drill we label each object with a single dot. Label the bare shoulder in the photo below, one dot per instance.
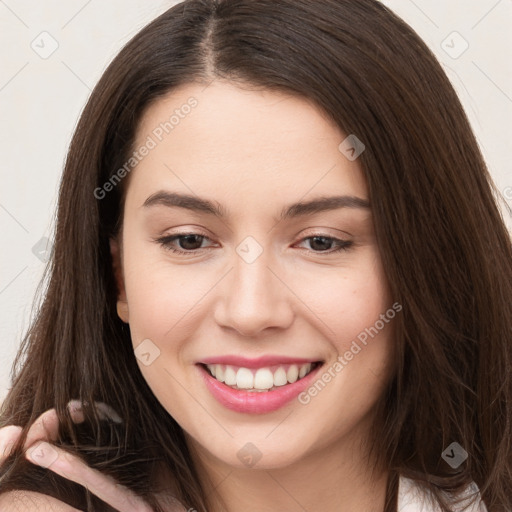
(28, 501)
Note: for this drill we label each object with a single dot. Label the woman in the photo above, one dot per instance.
(279, 261)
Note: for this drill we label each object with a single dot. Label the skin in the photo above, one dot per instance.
(292, 300)
(253, 153)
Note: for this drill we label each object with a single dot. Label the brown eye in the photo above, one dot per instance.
(324, 244)
(321, 243)
(188, 243)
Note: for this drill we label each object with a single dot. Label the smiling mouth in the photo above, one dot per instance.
(260, 380)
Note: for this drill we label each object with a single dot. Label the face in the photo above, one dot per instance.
(288, 305)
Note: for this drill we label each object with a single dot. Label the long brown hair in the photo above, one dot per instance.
(445, 249)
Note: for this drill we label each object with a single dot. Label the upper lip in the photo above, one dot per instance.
(259, 362)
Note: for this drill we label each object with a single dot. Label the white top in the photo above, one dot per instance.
(411, 498)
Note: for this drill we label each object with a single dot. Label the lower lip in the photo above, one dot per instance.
(254, 402)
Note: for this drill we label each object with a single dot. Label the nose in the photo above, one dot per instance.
(254, 297)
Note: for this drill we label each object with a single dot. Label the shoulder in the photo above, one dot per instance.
(412, 498)
(28, 501)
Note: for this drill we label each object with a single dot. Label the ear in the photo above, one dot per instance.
(117, 268)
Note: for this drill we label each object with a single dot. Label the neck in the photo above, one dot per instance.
(333, 479)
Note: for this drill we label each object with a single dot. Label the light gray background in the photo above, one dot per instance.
(42, 95)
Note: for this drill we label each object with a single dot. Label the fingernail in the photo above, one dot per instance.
(74, 405)
(106, 411)
(43, 454)
(75, 410)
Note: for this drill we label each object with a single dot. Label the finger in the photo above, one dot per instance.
(104, 411)
(8, 436)
(74, 469)
(46, 426)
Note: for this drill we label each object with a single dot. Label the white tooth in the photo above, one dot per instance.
(292, 374)
(244, 378)
(230, 376)
(263, 379)
(219, 373)
(280, 377)
(304, 369)
(211, 367)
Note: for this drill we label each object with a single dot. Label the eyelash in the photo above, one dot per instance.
(343, 245)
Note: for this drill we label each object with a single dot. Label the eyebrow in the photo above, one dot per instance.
(195, 203)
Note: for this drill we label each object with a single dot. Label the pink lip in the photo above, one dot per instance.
(254, 402)
(258, 362)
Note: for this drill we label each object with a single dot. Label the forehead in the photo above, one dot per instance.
(227, 140)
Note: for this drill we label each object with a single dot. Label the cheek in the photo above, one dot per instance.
(346, 301)
(163, 305)
(358, 312)
(161, 296)
(362, 303)
(354, 312)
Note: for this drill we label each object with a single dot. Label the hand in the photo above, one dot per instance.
(40, 452)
